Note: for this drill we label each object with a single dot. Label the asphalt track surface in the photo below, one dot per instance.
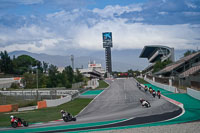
(121, 101)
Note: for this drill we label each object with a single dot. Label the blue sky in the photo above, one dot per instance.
(54, 26)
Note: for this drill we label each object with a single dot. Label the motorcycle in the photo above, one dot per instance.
(68, 117)
(146, 104)
(17, 122)
(158, 94)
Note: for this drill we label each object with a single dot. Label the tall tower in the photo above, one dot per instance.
(107, 44)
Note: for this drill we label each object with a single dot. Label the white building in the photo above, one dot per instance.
(93, 71)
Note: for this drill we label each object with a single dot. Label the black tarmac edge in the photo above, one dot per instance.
(134, 121)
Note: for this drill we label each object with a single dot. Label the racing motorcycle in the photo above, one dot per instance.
(145, 103)
(17, 122)
(67, 116)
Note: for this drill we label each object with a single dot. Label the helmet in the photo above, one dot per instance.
(11, 117)
(62, 111)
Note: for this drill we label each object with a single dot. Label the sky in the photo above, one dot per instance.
(55, 26)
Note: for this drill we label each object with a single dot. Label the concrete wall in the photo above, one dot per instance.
(56, 102)
(163, 86)
(193, 93)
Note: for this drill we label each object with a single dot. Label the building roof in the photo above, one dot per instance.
(178, 63)
(148, 50)
(190, 71)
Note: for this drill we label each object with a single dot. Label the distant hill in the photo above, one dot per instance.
(122, 60)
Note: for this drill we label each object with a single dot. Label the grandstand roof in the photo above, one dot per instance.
(148, 50)
(178, 63)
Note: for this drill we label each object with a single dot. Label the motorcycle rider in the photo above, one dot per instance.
(65, 113)
(150, 90)
(158, 94)
(145, 88)
(15, 119)
(154, 93)
(143, 102)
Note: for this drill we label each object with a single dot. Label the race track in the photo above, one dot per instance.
(120, 102)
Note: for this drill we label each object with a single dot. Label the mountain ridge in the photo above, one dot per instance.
(122, 60)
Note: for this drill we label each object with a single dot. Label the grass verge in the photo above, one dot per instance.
(47, 114)
(142, 81)
(102, 84)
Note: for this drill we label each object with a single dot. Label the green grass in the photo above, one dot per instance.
(102, 84)
(142, 81)
(46, 114)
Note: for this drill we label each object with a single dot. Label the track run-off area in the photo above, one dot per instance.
(118, 107)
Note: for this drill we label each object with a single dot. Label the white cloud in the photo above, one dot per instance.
(138, 35)
(76, 29)
(110, 11)
(191, 5)
(163, 13)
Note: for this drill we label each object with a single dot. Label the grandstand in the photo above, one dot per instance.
(156, 52)
(181, 66)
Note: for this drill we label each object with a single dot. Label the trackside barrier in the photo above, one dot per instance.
(9, 108)
(41, 104)
(165, 87)
(56, 102)
(193, 93)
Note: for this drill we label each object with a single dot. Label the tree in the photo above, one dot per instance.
(43, 80)
(24, 63)
(78, 77)
(29, 80)
(53, 71)
(189, 52)
(45, 66)
(70, 73)
(68, 77)
(6, 65)
(160, 65)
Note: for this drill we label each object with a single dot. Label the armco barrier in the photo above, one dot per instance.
(8, 108)
(41, 104)
(193, 93)
(56, 102)
(166, 87)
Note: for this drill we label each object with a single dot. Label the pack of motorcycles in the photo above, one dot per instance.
(17, 122)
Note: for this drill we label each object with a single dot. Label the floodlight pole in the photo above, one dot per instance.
(37, 77)
(72, 59)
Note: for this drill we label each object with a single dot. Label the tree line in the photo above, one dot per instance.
(38, 74)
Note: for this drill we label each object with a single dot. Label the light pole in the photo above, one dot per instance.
(37, 77)
(72, 59)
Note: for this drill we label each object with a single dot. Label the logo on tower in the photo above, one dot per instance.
(107, 39)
